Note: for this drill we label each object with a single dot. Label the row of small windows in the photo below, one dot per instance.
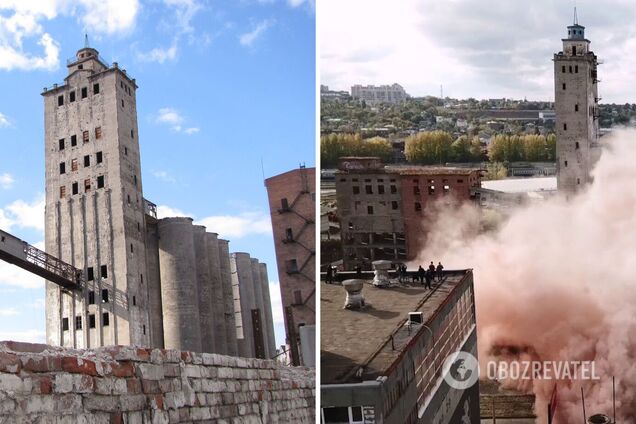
(85, 138)
(87, 186)
(369, 189)
(99, 158)
(431, 190)
(72, 97)
(367, 180)
(125, 88)
(90, 276)
(570, 67)
(370, 210)
(91, 321)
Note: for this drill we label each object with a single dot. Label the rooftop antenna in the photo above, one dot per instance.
(86, 45)
(576, 18)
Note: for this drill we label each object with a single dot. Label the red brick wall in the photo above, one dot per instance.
(289, 185)
(416, 223)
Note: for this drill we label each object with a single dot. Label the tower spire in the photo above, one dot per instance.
(86, 45)
(576, 18)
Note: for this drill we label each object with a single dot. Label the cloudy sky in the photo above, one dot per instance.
(223, 85)
(475, 48)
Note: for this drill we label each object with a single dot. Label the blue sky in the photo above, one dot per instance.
(223, 85)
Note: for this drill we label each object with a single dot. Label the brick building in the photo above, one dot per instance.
(383, 210)
(292, 203)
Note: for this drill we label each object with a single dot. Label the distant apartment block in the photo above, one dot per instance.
(379, 94)
(327, 94)
(292, 202)
(385, 211)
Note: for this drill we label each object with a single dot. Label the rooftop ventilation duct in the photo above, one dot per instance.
(354, 300)
(381, 277)
(416, 318)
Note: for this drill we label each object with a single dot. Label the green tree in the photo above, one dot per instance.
(496, 171)
(550, 142)
(428, 147)
(376, 146)
(476, 151)
(334, 146)
(460, 150)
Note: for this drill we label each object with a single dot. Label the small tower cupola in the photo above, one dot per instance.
(576, 31)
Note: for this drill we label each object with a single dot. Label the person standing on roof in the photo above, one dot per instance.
(440, 271)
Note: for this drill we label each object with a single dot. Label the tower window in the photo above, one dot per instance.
(91, 297)
(105, 319)
(62, 192)
(284, 203)
(61, 143)
(104, 295)
(576, 108)
(85, 137)
(84, 92)
(100, 181)
(62, 168)
(104, 271)
(95, 88)
(135, 180)
(356, 189)
(563, 69)
(289, 234)
(574, 52)
(570, 68)
(393, 189)
(144, 329)
(292, 266)
(60, 100)
(368, 189)
(75, 188)
(87, 161)
(394, 205)
(576, 69)
(380, 189)
(565, 163)
(91, 321)
(78, 322)
(576, 145)
(122, 102)
(564, 86)
(370, 210)
(72, 96)
(125, 151)
(87, 185)
(416, 190)
(565, 127)
(64, 324)
(431, 190)
(132, 134)
(73, 164)
(578, 181)
(134, 302)
(90, 274)
(98, 133)
(73, 140)
(132, 248)
(99, 157)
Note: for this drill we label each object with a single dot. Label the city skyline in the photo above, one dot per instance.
(473, 49)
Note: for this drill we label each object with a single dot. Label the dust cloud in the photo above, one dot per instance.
(557, 281)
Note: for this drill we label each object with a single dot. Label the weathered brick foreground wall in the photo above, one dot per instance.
(126, 385)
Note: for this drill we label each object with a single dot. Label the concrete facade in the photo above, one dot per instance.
(577, 111)
(292, 205)
(152, 282)
(379, 94)
(94, 206)
(243, 284)
(269, 320)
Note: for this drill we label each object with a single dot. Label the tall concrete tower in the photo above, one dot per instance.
(94, 206)
(576, 104)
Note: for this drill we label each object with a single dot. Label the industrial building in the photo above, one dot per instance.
(382, 355)
(383, 210)
(577, 110)
(292, 204)
(152, 282)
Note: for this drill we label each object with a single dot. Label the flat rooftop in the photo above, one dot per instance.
(351, 339)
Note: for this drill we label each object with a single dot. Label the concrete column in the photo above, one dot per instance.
(178, 285)
(228, 297)
(258, 299)
(218, 305)
(242, 282)
(204, 289)
(153, 282)
(271, 342)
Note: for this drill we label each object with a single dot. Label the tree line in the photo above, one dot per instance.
(439, 147)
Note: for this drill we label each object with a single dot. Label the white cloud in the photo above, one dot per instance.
(185, 10)
(159, 54)
(297, 3)
(164, 176)
(175, 120)
(249, 38)
(7, 312)
(29, 336)
(109, 16)
(23, 215)
(164, 211)
(4, 121)
(6, 181)
(237, 226)
(11, 275)
(277, 302)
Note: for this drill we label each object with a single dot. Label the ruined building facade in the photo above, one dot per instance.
(577, 111)
(151, 282)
